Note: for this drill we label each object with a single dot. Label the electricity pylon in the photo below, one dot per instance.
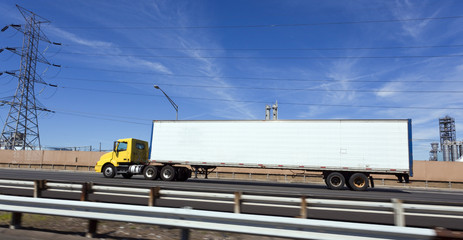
(21, 129)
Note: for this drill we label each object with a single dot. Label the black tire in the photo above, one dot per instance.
(335, 181)
(183, 173)
(349, 186)
(168, 173)
(109, 171)
(127, 175)
(358, 181)
(151, 172)
(347, 176)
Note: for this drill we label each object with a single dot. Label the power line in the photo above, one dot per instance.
(245, 78)
(267, 57)
(297, 89)
(262, 102)
(265, 25)
(284, 49)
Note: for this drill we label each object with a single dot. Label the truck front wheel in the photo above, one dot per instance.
(335, 181)
(109, 171)
(168, 173)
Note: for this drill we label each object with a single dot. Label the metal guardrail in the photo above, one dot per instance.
(207, 220)
(252, 176)
(396, 208)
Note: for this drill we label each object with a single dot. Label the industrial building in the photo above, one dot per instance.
(451, 150)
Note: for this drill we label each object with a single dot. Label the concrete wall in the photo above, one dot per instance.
(50, 157)
(438, 171)
(423, 170)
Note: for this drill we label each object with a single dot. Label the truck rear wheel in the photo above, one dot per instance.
(168, 173)
(358, 182)
(109, 170)
(335, 181)
(151, 172)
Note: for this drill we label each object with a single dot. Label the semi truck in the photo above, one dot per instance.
(345, 152)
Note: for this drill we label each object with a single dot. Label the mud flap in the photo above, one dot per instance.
(372, 182)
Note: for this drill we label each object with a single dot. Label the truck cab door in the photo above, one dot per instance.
(122, 152)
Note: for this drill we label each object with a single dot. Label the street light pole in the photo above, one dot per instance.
(170, 100)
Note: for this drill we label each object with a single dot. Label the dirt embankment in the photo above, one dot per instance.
(115, 230)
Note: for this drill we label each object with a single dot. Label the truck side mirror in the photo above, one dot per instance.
(115, 147)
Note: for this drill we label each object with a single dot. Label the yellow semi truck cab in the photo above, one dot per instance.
(128, 157)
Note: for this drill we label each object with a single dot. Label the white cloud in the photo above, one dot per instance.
(79, 40)
(409, 10)
(210, 68)
(459, 68)
(388, 89)
(104, 47)
(156, 66)
(341, 72)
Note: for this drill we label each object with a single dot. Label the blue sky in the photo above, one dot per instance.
(228, 59)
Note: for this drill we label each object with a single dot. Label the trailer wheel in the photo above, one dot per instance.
(335, 181)
(168, 173)
(358, 182)
(347, 176)
(151, 172)
(109, 171)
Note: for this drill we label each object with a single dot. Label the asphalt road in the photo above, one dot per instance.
(441, 197)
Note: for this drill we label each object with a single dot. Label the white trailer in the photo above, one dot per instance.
(345, 151)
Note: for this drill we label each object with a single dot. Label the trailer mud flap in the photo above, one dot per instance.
(372, 182)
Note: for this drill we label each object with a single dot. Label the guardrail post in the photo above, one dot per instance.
(86, 189)
(399, 216)
(92, 227)
(185, 234)
(15, 220)
(238, 202)
(303, 207)
(39, 185)
(443, 233)
(154, 194)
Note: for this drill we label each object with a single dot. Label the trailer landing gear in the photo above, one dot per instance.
(202, 170)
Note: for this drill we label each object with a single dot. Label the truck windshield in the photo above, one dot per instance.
(122, 146)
